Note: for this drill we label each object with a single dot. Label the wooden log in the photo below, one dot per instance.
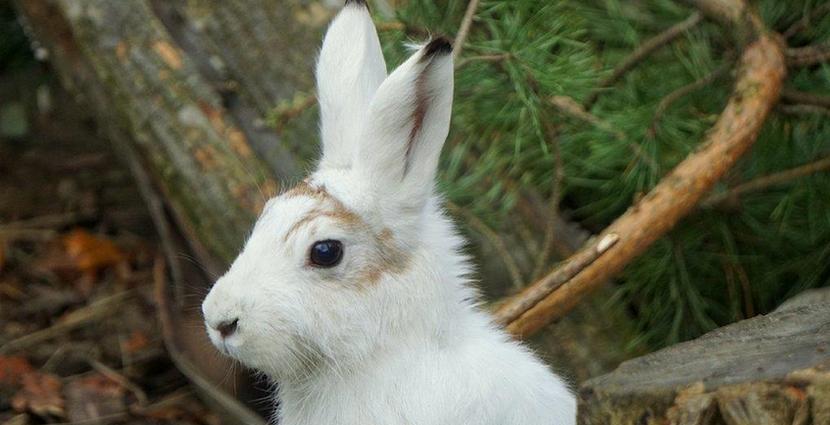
(767, 370)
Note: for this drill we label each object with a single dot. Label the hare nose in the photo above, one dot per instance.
(227, 328)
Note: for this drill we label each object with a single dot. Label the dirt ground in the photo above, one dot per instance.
(79, 338)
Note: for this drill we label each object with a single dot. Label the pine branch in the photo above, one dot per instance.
(757, 91)
(641, 53)
(682, 92)
(762, 183)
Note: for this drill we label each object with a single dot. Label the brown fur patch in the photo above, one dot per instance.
(304, 188)
(390, 258)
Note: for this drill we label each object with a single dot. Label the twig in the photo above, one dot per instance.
(299, 104)
(464, 28)
(516, 306)
(168, 330)
(555, 197)
(681, 92)
(16, 233)
(765, 182)
(49, 220)
(757, 90)
(643, 51)
(805, 20)
(804, 110)
(482, 58)
(390, 26)
(808, 55)
(495, 240)
(571, 107)
(77, 318)
(799, 97)
(105, 419)
(384, 8)
(112, 374)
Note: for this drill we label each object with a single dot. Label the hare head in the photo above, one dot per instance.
(354, 255)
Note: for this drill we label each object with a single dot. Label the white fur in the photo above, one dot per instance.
(411, 347)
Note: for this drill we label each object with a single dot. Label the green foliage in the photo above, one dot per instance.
(718, 265)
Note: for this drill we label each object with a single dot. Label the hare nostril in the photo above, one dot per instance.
(227, 327)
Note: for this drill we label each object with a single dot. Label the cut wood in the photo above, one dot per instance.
(763, 371)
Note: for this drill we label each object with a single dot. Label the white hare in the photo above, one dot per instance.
(352, 291)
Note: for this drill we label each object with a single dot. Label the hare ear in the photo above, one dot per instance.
(408, 122)
(349, 71)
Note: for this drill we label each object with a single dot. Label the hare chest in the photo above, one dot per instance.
(491, 382)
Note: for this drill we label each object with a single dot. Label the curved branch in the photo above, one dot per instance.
(758, 87)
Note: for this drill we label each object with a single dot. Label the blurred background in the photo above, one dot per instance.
(139, 139)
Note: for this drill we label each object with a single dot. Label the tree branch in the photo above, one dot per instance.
(643, 51)
(758, 86)
(808, 55)
(510, 311)
(764, 182)
(464, 29)
(681, 92)
(802, 98)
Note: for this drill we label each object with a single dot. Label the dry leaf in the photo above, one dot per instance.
(94, 397)
(89, 253)
(138, 341)
(12, 370)
(41, 395)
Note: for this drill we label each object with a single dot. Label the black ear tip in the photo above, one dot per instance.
(438, 46)
(356, 3)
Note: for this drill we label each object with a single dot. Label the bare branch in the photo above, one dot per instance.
(767, 181)
(809, 55)
(515, 307)
(805, 20)
(799, 97)
(645, 50)
(464, 29)
(681, 92)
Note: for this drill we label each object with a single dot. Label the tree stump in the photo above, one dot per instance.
(769, 370)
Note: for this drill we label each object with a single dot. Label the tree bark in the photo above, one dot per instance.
(763, 371)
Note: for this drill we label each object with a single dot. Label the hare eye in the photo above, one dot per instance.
(327, 253)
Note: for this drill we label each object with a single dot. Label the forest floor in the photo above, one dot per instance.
(79, 338)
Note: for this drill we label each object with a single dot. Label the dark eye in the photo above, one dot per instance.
(326, 253)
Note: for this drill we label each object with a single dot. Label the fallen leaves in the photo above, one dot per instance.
(12, 370)
(80, 257)
(137, 341)
(40, 394)
(90, 254)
